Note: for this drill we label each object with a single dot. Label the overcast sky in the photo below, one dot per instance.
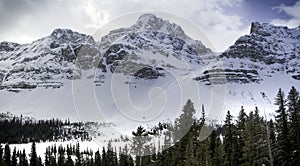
(222, 21)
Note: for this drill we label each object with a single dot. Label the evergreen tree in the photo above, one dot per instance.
(294, 117)
(33, 155)
(185, 121)
(230, 141)
(97, 158)
(260, 139)
(69, 158)
(14, 157)
(182, 135)
(270, 142)
(124, 156)
(282, 127)
(272, 132)
(23, 159)
(217, 153)
(61, 156)
(111, 155)
(7, 155)
(141, 137)
(104, 157)
(78, 161)
(241, 123)
(47, 156)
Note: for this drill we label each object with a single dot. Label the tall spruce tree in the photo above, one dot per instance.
(230, 141)
(140, 138)
(104, 157)
(282, 127)
(7, 155)
(23, 159)
(69, 158)
(61, 156)
(97, 158)
(33, 155)
(217, 153)
(294, 117)
(241, 125)
(47, 156)
(185, 121)
(78, 160)
(14, 157)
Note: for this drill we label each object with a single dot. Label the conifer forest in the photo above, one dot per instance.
(249, 138)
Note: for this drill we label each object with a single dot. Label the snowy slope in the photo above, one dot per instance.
(144, 73)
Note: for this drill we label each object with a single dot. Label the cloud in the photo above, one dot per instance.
(25, 20)
(293, 11)
(209, 16)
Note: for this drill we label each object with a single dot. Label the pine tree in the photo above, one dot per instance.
(217, 153)
(185, 121)
(190, 154)
(294, 117)
(33, 155)
(141, 137)
(104, 157)
(272, 132)
(47, 156)
(241, 124)
(260, 138)
(78, 161)
(282, 126)
(61, 156)
(97, 158)
(270, 142)
(124, 156)
(181, 135)
(110, 155)
(230, 141)
(7, 156)
(23, 160)
(14, 157)
(69, 158)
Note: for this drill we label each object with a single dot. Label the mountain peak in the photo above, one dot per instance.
(256, 27)
(68, 35)
(150, 22)
(60, 31)
(7, 46)
(147, 17)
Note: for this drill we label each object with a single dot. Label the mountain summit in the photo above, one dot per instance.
(149, 22)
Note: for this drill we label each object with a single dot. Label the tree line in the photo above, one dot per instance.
(249, 139)
(21, 130)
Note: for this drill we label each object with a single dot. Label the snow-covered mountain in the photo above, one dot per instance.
(268, 51)
(45, 62)
(151, 65)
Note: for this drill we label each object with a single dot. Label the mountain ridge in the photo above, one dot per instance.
(139, 60)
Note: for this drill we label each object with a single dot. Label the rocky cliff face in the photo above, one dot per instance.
(148, 50)
(267, 51)
(45, 62)
(151, 44)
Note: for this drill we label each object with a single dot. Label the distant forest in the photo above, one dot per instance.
(23, 130)
(249, 139)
